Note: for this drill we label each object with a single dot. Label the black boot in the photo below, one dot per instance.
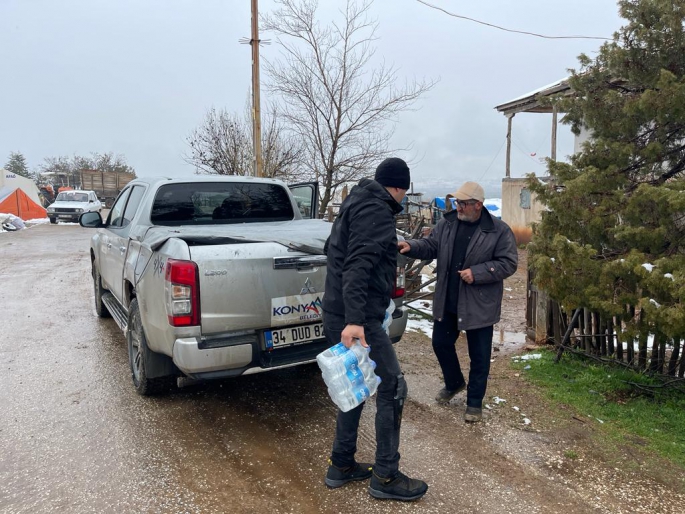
(399, 487)
(337, 477)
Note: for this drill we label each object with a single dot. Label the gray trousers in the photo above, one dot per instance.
(390, 397)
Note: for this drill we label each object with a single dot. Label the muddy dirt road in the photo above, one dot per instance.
(75, 437)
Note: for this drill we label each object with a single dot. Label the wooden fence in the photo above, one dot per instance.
(605, 337)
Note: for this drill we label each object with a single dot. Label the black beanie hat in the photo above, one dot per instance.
(393, 172)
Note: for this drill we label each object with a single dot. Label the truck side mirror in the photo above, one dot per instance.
(90, 220)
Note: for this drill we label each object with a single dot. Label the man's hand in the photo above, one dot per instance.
(352, 332)
(403, 246)
(466, 275)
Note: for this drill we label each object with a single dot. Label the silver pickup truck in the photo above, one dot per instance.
(214, 277)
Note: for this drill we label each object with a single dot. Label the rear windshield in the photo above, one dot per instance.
(219, 203)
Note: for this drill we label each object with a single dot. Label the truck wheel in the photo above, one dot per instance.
(140, 356)
(53, 221)
(100, 308)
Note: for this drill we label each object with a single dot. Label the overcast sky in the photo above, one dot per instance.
(134, 77)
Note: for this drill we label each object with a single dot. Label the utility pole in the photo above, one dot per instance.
(256, 113)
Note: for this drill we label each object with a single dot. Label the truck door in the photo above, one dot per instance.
(307, 197)
(120, 237)
(109, 250)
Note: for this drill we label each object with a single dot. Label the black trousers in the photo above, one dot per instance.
(445, 334)
(388, 405)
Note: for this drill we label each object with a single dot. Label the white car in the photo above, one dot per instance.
(69, 205)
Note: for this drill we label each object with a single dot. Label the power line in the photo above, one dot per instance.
(509, 30)
(493, 161)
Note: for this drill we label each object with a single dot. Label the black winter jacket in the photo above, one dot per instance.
(362, 255)
(492, 256)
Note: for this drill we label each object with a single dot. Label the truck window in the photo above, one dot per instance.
(116, 214)
(220, 203)
(132, 205)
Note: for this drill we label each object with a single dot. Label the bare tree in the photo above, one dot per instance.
(222, 145)
(342, 108)
(65, 171)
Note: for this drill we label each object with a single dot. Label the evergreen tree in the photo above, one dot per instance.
(614, 234)
(17, 165)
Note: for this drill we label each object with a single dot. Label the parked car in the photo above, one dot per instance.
(214, 277)
(69, 205)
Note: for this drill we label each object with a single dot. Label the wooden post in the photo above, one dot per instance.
(256, 111)
(553, 154)
(556, 315)
(567, 335)
(508, 163)
(611, 348)
(672, 362)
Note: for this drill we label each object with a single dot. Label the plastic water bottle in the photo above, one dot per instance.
(387, 320)
(349, 374)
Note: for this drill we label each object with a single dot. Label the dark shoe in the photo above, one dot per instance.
(400, 487)
(473, 414)
(445, 395)
(337, 477)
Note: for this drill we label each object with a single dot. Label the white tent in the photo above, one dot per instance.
(13, 181)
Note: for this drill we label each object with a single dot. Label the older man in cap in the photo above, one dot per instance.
(475, 252)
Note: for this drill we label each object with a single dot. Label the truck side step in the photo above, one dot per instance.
(116, 310)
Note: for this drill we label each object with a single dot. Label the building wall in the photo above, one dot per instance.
(580, 139)
(520, 208)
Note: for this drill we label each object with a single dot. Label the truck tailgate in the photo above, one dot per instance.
(239, 283)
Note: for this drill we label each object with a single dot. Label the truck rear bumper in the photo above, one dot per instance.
(399, 323)
(191, 360)
(198, 361)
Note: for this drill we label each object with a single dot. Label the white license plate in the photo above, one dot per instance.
(286, 336)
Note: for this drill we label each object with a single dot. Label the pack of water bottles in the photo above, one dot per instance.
(349, 374)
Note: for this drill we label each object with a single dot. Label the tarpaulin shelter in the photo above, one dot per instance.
(14, 181)
(16, 201)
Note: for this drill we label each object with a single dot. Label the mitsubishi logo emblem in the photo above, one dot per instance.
(308, 287)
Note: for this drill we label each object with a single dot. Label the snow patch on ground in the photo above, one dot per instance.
(420, 325)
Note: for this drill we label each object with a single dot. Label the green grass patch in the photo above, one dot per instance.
(623, 411)
(571, 454)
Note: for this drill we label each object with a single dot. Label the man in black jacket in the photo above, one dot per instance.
(362, 264)
(475, 252)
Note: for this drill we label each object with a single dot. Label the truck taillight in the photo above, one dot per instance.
(398, 291)
(181, 287)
